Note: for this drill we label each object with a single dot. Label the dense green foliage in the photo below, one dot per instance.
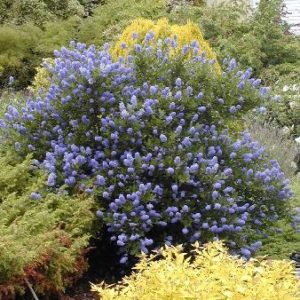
(110, 19)
(42, 238)
(259, 40)
(17, 53)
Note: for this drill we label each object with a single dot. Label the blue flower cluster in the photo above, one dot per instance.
(146, 135)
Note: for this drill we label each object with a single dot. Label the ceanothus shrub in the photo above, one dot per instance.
(147, 136)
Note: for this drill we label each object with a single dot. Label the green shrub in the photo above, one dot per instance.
(110, 19)
(23, 47)
(284, 110)
(57, 34)
(281, 114)
(39, 11)
(258, 39)
(17, 53)
(43, 234)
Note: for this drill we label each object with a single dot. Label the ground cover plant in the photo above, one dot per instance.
(209, 273)
(44, 235)
(109, 128)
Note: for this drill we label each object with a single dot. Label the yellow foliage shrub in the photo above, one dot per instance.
(41, 79)
(162, 29)
(211, 274)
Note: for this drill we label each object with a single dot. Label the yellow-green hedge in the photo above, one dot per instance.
(212, 274)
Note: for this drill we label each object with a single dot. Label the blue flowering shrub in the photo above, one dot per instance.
(147, 136)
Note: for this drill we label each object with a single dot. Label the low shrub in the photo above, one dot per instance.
(281, 243)
(210, 274)
(43, 234)
(146, 135)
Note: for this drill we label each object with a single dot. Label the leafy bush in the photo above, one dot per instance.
(39, 11)
(210, 274)
(22, 48)
(42, 77)
(112, 17)
(146, 135)
(17, 56)
(259, 39)
(43, 234)
(284, 110)
(281, 243)
(57, 34)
